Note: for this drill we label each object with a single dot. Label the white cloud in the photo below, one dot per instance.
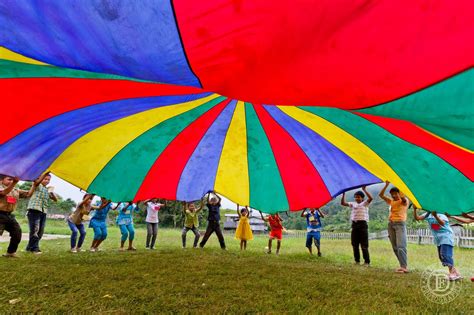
(67, 190)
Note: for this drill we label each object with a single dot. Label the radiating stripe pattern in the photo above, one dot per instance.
(145, 140)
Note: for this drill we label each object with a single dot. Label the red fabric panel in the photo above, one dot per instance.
(303, 185)
(172, 161)
(408, 131)
(37, 99)
(339, 53)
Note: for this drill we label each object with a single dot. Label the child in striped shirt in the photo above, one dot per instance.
(360, 228)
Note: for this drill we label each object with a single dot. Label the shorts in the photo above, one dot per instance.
(316, 235)
(278, 234)
(445, 253)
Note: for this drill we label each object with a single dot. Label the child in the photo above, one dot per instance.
(99, 223)
(37, 209)
(214, 205)
(397, 227)
(125, 223)
(191, 222)
(9, 196)
(152, 208)
(276, 231)
(443, 237)
(313, 228)
(360, 228)
(243, 231)
(75, 222)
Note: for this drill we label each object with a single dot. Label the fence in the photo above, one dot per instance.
(463, 238)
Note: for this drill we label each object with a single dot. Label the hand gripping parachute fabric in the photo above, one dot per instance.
(138, 99)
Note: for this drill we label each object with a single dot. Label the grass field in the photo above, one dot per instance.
(171, 279)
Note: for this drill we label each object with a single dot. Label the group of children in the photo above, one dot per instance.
(397, 231)
(40, 196)
(124, 220)
(398, 204)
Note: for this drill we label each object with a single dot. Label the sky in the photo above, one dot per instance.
(67, 190)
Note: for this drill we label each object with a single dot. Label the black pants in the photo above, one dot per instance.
(9, 224)
(360, 236)
(213, 226)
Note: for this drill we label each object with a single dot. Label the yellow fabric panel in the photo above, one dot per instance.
(13, 56)
(232, 178)
(350, 145)
(95, 149)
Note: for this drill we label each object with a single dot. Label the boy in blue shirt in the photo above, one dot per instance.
(443, 237)
(313, 227)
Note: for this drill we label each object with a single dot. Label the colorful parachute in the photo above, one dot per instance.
(140, 99)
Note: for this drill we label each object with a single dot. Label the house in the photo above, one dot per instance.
(256, 223)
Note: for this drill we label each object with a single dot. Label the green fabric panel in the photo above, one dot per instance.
(437, 185)
(267, 192)
(12, 69)
(121, 178)
(445, 109)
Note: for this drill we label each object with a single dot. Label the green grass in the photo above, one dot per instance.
(214, 281)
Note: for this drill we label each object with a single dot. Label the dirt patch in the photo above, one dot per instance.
(46, 237)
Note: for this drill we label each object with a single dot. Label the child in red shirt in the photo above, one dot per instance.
(276, 230)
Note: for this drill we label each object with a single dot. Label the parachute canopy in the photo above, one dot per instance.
(279, 106)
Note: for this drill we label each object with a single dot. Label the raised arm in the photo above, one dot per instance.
(369, 196)
(303, 213)
(460, 219)
(440, 222)
(219, 199)
(248, 211)
(104, 204)
(36, 183)
(87, 198)
(183, 203)
(416, 216)
(116, 206)
(238, 211)
(136, 208)
(468, 216)
(201, 206)
(321, 214)
(343, 200)
(404, 200)
(382, 193)
(32, 189)
(261, 214)
(8, 190)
